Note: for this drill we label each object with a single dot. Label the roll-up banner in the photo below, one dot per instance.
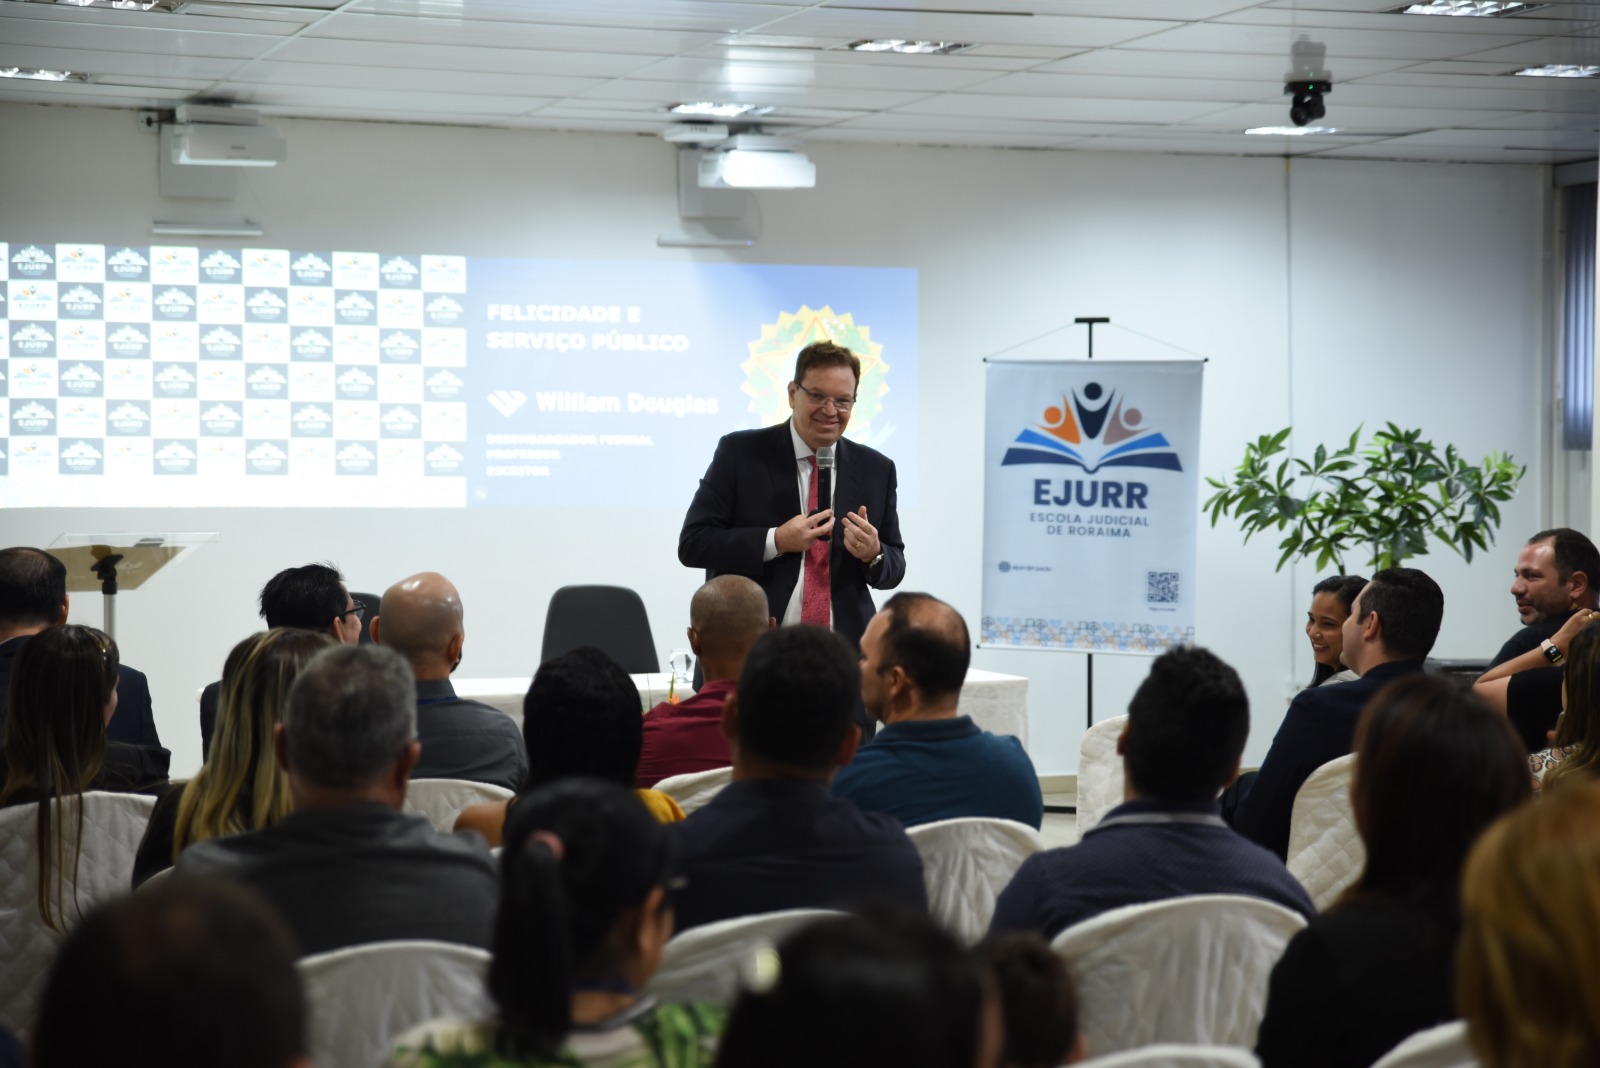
(1091, 500)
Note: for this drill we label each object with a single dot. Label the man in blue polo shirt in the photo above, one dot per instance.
(1186, 729)
(928, 762)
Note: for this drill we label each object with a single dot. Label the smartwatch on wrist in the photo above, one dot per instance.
(1552, 652)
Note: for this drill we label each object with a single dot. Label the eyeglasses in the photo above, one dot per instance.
(357, 608)
(822, 400)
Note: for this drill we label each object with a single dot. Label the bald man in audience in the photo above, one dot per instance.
(929, 762)
(423, 621)
(726, 617)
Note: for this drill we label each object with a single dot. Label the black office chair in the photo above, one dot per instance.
(374, 603)
(610, 618)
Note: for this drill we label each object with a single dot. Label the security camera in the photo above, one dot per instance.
(1307, 81)
(1307, 105)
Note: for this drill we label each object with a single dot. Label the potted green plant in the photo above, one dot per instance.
(1386, 498)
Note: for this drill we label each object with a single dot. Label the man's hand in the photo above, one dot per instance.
(860, 536)
(797, 534)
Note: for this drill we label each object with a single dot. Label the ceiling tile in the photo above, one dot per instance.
(733, 75)
(1038, 107)
(1123, 62)
(458, 57)
(270, 72)
(1043, 31)
(447, 31)
(698, 15)
(1209, 37)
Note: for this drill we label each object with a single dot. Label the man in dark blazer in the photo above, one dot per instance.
(1390, 630)
(33, 596)
(749, 516)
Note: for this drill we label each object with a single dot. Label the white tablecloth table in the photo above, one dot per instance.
(998, 703)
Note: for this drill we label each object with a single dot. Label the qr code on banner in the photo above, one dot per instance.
(1161, 587)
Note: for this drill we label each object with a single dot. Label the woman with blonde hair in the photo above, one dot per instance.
(241, 787)
(1528, 975)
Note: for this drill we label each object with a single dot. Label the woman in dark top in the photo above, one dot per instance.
(241, 787)
(1434, 767)
(63, 693)
(1330, 606)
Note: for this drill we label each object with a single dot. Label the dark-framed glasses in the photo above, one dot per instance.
(822, 400)
(357, 608)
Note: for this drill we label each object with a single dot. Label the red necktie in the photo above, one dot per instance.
(816, 598)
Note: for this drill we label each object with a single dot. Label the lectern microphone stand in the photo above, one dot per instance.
(114, 562)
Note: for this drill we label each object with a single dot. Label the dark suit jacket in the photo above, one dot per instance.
(1319, 726)
(133, 724)
(750, 488)
(464, 739)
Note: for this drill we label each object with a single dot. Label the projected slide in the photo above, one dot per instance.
(172, 376)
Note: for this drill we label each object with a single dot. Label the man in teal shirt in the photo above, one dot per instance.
(928, 762)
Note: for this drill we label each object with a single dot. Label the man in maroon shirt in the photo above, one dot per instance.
(726, 616)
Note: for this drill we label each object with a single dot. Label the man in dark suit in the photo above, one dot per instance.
(33, 596)
(1391, 628)
(756, 512)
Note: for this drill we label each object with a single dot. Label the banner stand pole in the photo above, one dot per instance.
(1090, 321)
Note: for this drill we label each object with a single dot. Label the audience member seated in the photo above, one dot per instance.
(775, 838)
(1557, 581)
(1529, 962)
(1391, 627)
(347, 866)
(1434, 767)
(1574, 751)
(1186, 729)
(312, 597)
(33, 596)
(928, 762)
(197, 973)
(580, 717)
(866, 992)
(584, 914)
(726, 616)
(63, 693)
(1330, 606)
(1037, 1001)
(241, 788)
(423, 621)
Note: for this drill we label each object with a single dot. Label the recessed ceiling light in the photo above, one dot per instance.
(37, 75)
(122, 5)
(913, 48)
(707, 110)
(1559, 70)
(1291, 131)
(1483, 9)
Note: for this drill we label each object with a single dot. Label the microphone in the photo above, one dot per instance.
(824, 483)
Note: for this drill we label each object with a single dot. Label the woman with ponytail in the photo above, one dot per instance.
(583, 917)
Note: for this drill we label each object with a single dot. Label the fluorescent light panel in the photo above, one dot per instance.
(1291, 131)
(707, 109)
(34, 74)
(1483, 9)
(911, 48)
(1559, 70)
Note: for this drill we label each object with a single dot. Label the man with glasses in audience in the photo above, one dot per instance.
(757, 511)
(312, 597)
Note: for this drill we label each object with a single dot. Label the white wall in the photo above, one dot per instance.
(1339, 293)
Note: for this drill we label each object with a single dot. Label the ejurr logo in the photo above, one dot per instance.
(507, 401)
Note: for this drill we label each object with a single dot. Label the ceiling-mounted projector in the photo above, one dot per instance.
(208, 135)
(758, 161)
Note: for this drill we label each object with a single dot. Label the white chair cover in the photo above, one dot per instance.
(1099, 772)
(441, 800)
(1444, 1046)
(1325, 851)
(708, 963)
(113, 825)
(965, 865)
(1172, 1055)
(693, 790)
(364, 997)
(1188, 969)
